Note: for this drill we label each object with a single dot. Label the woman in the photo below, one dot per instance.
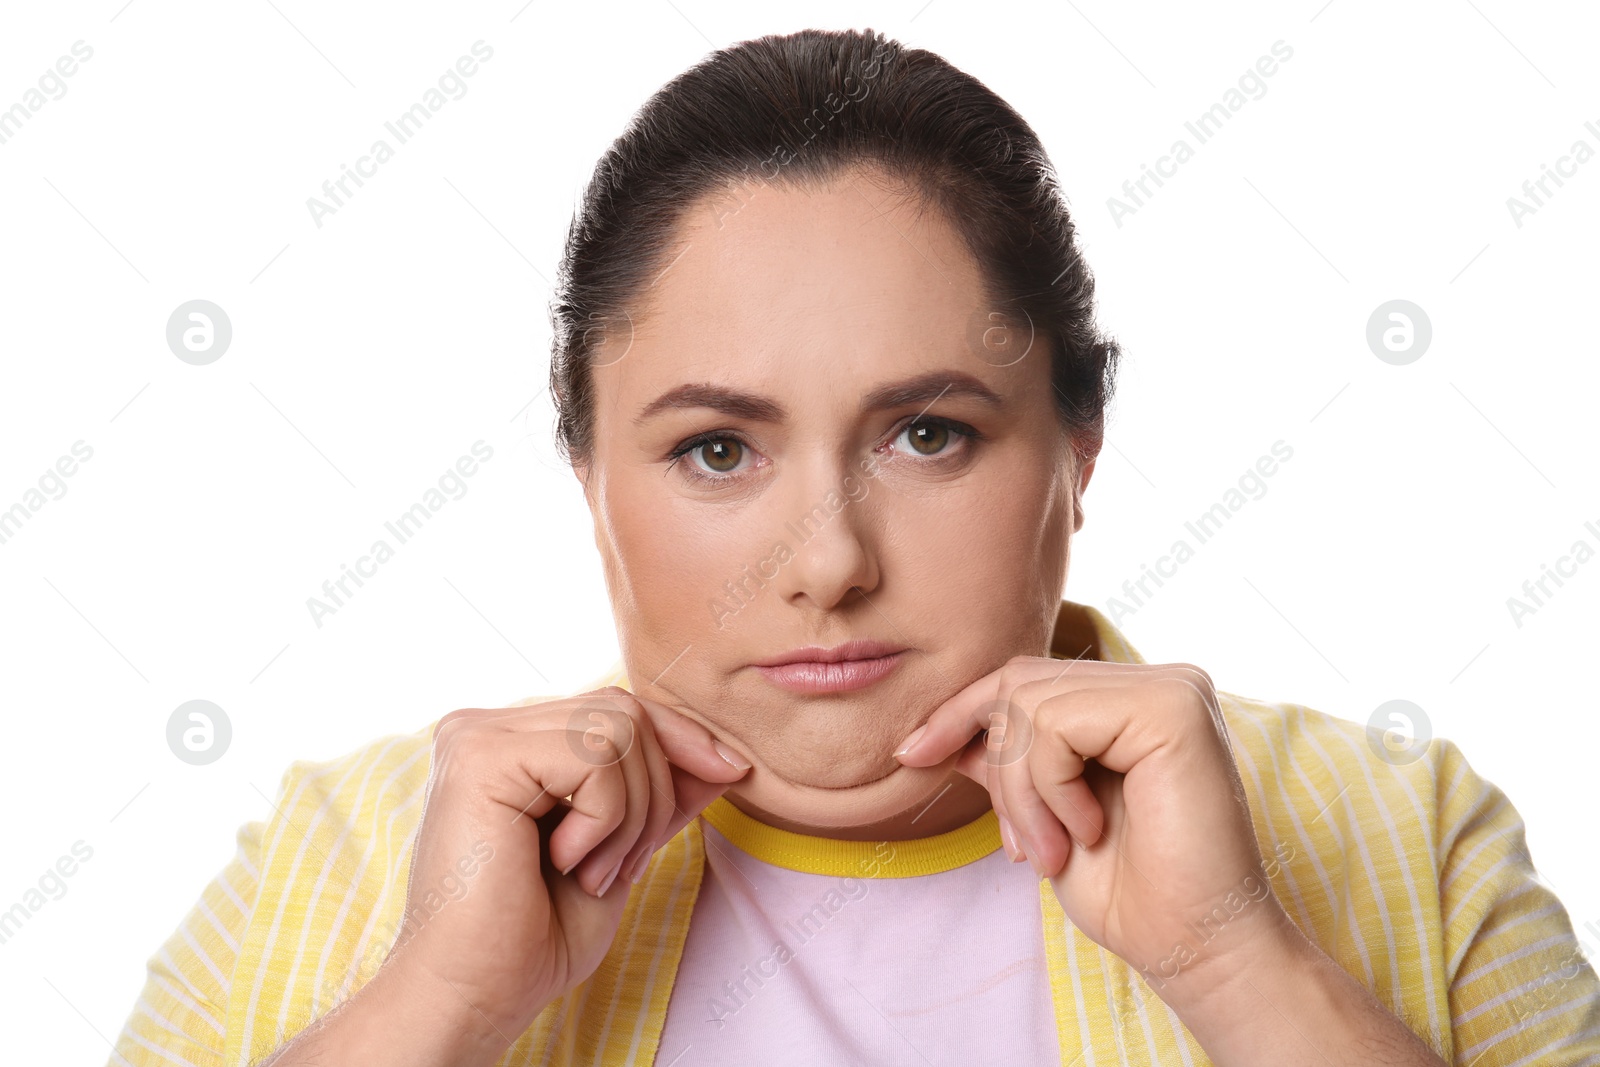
(863, 787)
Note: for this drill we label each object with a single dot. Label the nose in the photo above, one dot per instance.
(826, 519)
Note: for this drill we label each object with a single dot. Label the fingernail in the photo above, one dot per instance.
(609, 879)
(1038, 870)
(1009, 839)
(640, 865)
(910, 742)
(733, 758)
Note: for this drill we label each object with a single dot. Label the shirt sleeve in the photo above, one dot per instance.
(179, 1016)
(1521, 990)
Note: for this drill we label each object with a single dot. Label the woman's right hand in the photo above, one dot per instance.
(549, 875)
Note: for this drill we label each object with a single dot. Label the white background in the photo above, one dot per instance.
(368, 354)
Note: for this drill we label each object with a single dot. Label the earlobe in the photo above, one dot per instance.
(1078, 489)
(594, 512)
(581, 472)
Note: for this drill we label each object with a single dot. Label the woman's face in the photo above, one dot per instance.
(783, 356)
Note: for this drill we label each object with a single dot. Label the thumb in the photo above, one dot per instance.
(953, 724)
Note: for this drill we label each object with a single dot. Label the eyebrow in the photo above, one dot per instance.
(737, 403)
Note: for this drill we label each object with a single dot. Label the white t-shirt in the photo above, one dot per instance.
(783, 965)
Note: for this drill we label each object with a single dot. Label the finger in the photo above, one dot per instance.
(1118, 721)
(1008, 831)
(661, 800)
(1007, 739)
(523, 710)
(456, 719)
(598, 793)
(692, 746)
(980, 703)
(1057, 773)
(691, 794)
(952, 724)
(1039, 831)
(977, 762)
(1153, 721)
(1037, 769)
(585, 919)
(613, 738)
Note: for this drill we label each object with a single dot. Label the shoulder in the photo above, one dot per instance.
(1361, 820)
(379, 774)
(1368, 824)
(1293, 756)
(374, 787)
(333, 857)
(340, 829)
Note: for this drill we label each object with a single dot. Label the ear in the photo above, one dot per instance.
(1078, 489)
(585, 472)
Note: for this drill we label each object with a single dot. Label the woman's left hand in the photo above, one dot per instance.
(1144, 840)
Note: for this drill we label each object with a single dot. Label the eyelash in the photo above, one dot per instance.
(694, 473)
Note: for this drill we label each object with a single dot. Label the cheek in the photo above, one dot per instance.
(991, 552)
(980, 531)
(672, 556)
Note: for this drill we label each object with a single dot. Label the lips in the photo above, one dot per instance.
(850, 666)
(860, 648)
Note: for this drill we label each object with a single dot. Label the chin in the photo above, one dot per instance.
(838, 807)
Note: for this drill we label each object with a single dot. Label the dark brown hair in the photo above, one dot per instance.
(800, 108)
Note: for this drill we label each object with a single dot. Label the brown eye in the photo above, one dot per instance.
(721, 455)
(928, 438)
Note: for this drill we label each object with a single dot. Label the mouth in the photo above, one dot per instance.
(831, 676)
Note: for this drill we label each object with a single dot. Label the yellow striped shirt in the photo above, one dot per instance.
(1413, 876)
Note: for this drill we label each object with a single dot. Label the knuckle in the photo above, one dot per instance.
(1016, 671)
(1188, 700)
(1008, 734)
(473, 747)
(1179, 695)
(1201, 678)
(613, 696)
(451, 723)
(594, 746)
(1050, 717)
(604, 724)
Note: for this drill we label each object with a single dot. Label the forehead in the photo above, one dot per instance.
(827, 287)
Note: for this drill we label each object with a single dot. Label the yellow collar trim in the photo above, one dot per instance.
(855, 859)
